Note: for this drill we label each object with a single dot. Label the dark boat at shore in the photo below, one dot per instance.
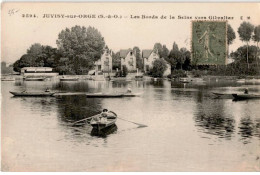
(34, 78)
(102, 124)
(32, 94)
(245, 96)
(102, 95)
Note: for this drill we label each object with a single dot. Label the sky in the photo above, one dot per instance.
(18, 33)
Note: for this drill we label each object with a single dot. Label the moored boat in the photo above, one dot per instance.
(222, 95)
(34, 78)
(8, 79)
(245, 96)
(69, 79)
(104, 95)
(99, 123)
(131, 94)
(139, 77)
(32, 94)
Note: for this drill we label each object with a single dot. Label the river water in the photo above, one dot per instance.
(188, 129)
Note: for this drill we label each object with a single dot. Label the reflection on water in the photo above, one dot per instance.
(248, 129)
(183, 121)
(212, 118)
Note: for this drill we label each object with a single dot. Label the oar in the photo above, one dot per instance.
(140, 125)
(82, 120)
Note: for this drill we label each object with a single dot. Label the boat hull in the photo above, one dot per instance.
(32, 94)
(130, 95)
(34, 79)
(245, 96)
(100, 125)
(7, 79)
(221, 95)
(104, 95)
(69, 79)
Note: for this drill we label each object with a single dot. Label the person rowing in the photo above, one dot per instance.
(103, 116)
(246, 91)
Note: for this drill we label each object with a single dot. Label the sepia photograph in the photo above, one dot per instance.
(130, 87)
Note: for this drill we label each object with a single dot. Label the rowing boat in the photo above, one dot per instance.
(32, 94)
(245, 96)
(99, 123)
(104, 95)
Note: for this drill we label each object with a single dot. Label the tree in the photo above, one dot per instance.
(182, 58)
(159, 47)
(245, 33)
(230, 35)
(174, 56)
(82, 46)
(116, 60)
(242, 52)
(256, 38)
(139, 61)
(26, 60)
(35, 49)
(165, 52)
(159, 67)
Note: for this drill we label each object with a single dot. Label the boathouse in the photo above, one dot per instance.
(38, 71)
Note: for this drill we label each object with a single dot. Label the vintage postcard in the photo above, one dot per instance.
(130, 87)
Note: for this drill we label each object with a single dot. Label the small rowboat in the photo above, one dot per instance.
(32, 94)
(101, 95)
(139, 77)
(34, 78)
(97, 122)
(131, 95)
(8, 79)
(245, 96)
(221, 95)
(69, 79)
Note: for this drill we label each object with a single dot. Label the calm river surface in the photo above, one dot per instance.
(188, 130)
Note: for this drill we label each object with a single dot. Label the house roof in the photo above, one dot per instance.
(124, 52)
(146, 53)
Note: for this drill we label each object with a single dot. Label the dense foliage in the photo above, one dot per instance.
(78, 49)
(158, 69)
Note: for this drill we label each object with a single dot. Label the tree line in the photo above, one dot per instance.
(79, 47)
